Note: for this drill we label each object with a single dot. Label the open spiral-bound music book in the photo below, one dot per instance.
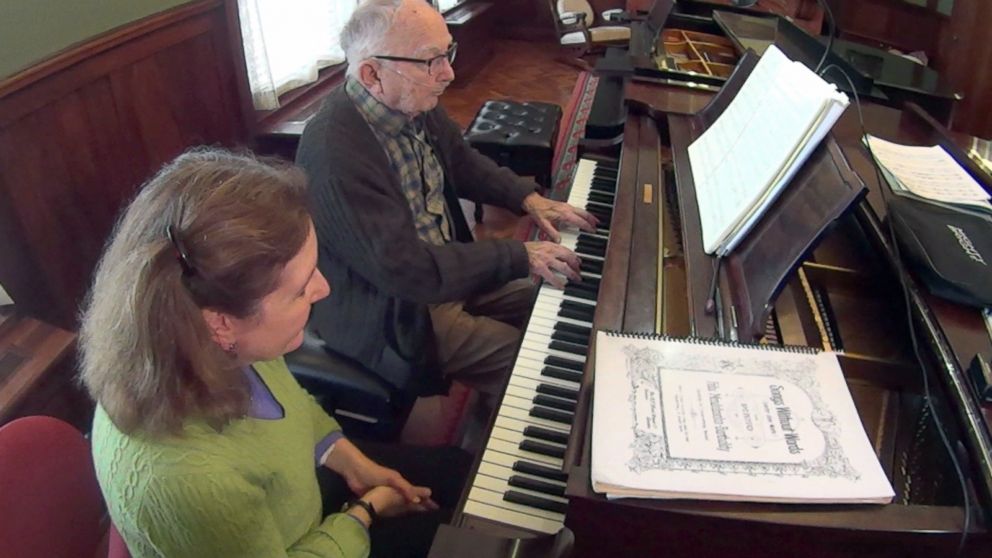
(704, 419)
(744, 160)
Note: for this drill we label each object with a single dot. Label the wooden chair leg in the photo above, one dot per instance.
(571, 60)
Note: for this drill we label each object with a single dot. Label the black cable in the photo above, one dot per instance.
(832, 29)
(901, 272)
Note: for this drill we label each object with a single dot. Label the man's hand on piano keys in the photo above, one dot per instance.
(551, 215)
(553, 262)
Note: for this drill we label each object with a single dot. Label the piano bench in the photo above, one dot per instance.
(363, 403)
(518, 135)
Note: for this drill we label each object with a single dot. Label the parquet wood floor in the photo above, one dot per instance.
(518, 70)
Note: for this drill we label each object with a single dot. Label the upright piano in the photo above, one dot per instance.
(644, 270)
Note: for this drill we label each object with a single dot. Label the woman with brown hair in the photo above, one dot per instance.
(204, 443)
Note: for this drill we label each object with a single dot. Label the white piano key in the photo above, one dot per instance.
(498, 444)
(494, 498)
(501, 486)
(498, 471)
(514, 437)
(523, 415)
(530, 384)
(502, 449)
(517, 425)
(513, 517)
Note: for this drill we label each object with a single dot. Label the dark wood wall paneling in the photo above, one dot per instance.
(531, 19)
(892, 23)
(965, 59)
(958, 46)
(81, 131)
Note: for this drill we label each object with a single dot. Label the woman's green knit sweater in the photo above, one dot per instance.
(247, 491)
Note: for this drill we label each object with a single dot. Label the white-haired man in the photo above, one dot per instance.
(387, 166)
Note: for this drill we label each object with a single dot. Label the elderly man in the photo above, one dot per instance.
(387, 166)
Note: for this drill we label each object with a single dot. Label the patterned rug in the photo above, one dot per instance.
(570, 132)
(572, 129)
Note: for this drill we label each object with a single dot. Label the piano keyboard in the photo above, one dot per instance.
(520, 481)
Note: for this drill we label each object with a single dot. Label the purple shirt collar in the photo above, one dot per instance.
(263, 403)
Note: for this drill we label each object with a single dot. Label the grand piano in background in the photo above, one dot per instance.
(646, 272)
(694, 45)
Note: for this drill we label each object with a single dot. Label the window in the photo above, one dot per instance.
(286, 43)
(445, 5)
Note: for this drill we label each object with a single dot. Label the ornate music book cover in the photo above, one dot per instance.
(703, 419)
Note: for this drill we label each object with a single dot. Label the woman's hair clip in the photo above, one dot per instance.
(181, 254)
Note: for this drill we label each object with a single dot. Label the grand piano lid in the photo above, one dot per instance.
(757, 33)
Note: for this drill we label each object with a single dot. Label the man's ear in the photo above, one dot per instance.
(368, 75)
(221, 327)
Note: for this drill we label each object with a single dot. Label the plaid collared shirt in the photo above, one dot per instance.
(413, 159)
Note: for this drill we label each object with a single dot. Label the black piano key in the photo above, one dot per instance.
(566, 347)
(534, 501)
(571, 337)
(591, 266)
(574, 314)
(542, 448)
(587, 287)
(602, 214)
(586, 249)
(555, 403)
(604, 183)
(595, 204)
(590, 280)
(565, 363)
(584, 237)
(552, 372)
(539, 470)
(595, 207)
(572, 328)
(601, 197)
(546, 434)
(535, 485)
(584, 252)
(584, 294)
(579, 306)
(592, 242)
(557, 391)
(552, 415)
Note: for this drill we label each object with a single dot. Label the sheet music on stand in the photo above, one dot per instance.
(747, 157)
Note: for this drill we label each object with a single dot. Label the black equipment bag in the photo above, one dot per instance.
(949, 249)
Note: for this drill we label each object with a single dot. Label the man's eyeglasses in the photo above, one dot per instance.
(434, 65)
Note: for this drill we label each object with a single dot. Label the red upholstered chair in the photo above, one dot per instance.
(50, 503)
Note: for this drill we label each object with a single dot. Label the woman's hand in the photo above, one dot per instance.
(388, 502)
(362, 474)
(371, 475)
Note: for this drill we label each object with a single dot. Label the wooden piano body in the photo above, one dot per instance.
(844, 294)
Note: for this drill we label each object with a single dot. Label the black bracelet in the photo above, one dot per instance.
(364, 505)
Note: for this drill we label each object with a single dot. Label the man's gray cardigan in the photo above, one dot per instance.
(382, 275)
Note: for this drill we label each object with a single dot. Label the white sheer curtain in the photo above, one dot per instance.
(443, 5)
(287, 41)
